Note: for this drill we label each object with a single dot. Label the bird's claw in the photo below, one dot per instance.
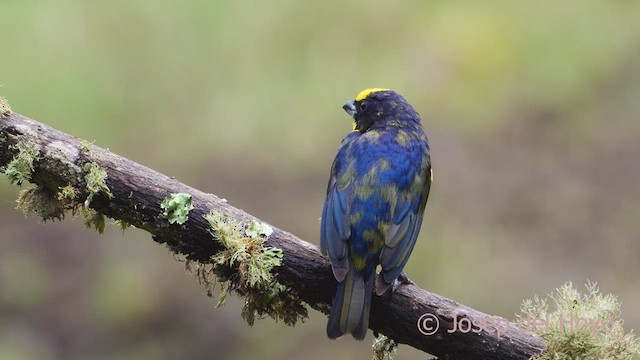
(404, 280)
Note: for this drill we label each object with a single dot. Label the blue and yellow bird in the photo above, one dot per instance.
(378, 189)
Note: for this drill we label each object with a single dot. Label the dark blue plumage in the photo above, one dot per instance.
(379, 184)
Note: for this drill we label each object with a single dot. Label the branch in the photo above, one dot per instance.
(138, 191)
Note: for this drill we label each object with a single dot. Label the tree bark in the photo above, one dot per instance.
(407, 316)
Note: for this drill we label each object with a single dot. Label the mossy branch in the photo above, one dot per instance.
(70, 171)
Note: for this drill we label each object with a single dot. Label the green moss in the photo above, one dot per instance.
(68, 195)
(49, 205)
(322, 307)
(384, 348)
(177, 207)
(94, 219)
(86, 146)
(95, 178)
(41, 201)
(19, 169)
(5, 109)
(582, 326)
(245, 266)
(123, 225)
(245, 250)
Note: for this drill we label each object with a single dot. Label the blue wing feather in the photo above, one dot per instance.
(393, 259)
(336, 228)
(402, 234)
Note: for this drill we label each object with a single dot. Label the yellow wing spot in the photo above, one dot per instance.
(383, 227)
(363, 192)
(359, 263)
(370, 177)
(430, 175)
(384, 164)
(389, 194)
(364, 93)
(355, 218)
(375, 246)
(371, 235)
(373, 136)
(402, 138)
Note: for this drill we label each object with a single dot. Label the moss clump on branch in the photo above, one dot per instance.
(20, 168)
(245, 250)
(245, 266)
(86, 146)
(5, 109)
(41, 201)
(95, 178)
(68, 195)
(94, 220)
(123, 225)
(384, 348)
(50, 205)
(582, 326)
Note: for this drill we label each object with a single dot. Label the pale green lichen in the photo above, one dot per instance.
(95, 178)
(245, 266)
(41, 201)
(582, 326)
(20, 168)
(177, 207)
(384, 348)
(5, 109)
(256, 229)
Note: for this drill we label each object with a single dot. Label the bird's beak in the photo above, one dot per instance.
(350, 108)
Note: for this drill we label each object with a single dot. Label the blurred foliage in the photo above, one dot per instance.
(579, 325)
(531, 108)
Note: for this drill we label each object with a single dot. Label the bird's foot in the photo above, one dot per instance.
(404, 280)
(385, 289)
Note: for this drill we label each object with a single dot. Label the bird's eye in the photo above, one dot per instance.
(363, 105)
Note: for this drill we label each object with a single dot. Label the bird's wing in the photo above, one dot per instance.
(402, 234)
(335, 227)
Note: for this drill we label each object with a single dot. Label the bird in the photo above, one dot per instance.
(375, 201)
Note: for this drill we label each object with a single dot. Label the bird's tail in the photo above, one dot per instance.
(350, 309)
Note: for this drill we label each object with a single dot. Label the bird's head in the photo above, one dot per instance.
(375, 104)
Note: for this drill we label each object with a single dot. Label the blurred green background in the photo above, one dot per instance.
(531, 107)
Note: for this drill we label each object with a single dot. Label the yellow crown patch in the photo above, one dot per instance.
(364, 93)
